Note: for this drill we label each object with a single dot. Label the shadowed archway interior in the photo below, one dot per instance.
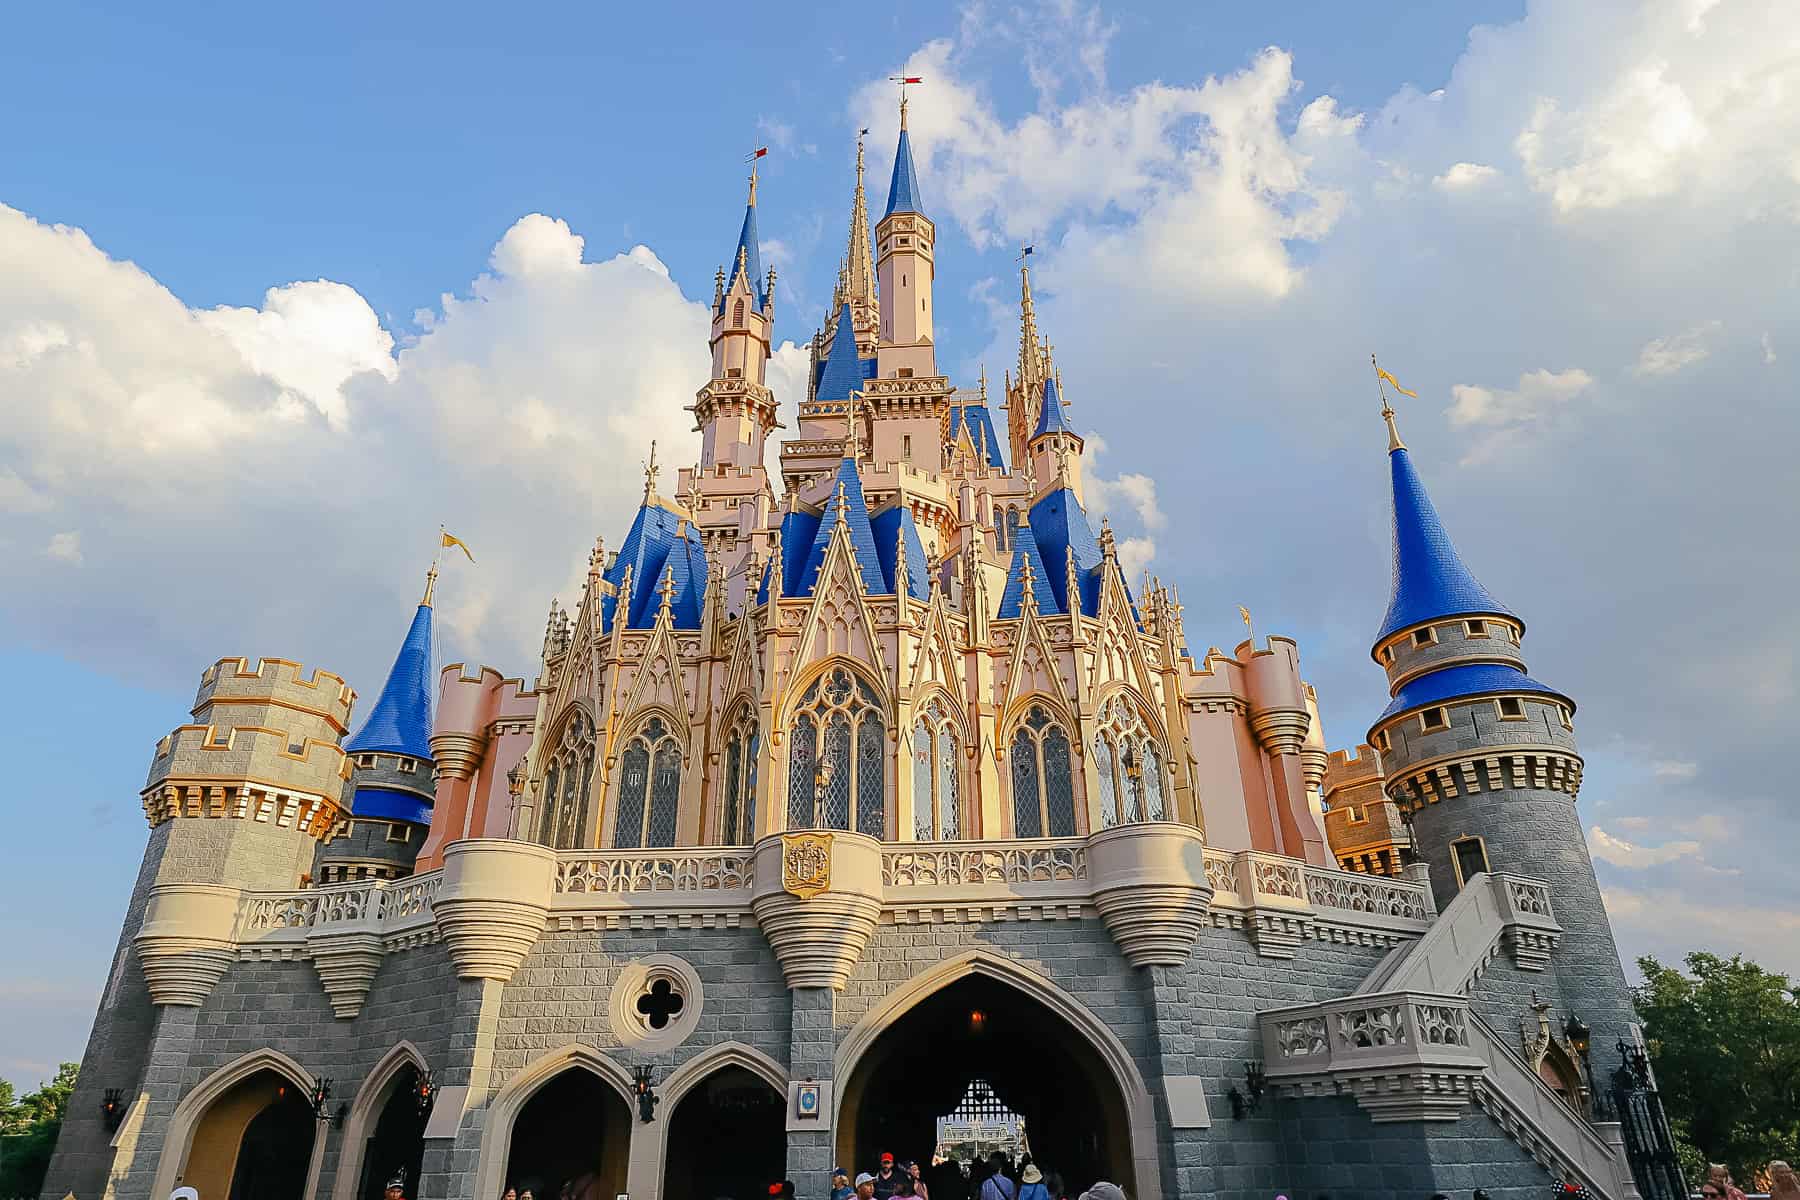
(575, 1131)
(726, 1138)
(254, 1142)
(398, 1143)
(1039, 1067)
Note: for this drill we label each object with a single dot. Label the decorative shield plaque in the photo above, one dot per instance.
(805, 863)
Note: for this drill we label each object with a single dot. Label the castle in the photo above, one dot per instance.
(839, 804)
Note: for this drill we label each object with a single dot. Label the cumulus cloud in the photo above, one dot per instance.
(1621, 853)
(193, 445)
(1667, 355)
(1671, 768)
(1670, 922)
(1507, 415)
(1463, 176)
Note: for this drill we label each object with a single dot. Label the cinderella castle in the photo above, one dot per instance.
(851, 802)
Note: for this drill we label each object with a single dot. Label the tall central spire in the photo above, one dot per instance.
(856, 276)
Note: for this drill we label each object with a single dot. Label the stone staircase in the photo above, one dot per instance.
(1406, 1045)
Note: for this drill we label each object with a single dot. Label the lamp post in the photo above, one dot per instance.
(1580, 1037)
(643, 1081)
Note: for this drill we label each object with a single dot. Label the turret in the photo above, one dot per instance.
(391, 784)
(904, 241)
(856, 275)
(1025, 386)
(1479, 756)
(735, 411)
(1055, 447)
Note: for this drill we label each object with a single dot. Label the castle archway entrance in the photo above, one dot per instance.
(727, 1137)
(575, 1131)
(979, 1035)
(254, 1141)
(397, 1145)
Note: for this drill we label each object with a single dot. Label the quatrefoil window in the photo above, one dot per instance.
(661, 1003)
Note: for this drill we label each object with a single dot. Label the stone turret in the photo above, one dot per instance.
(1481, 757)
(237, 800)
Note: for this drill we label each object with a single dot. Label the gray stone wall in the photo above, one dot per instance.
(1331, 1148)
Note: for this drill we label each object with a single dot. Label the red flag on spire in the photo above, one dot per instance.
(757, 153)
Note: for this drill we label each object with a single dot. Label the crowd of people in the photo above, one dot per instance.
(997, 1177)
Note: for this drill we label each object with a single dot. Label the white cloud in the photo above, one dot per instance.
(1504, 416)
(1668, 922)
(1621, 853)
(65, 547)
(1464, 176)
(1671, 768)
(309, 339)
(1667, 355)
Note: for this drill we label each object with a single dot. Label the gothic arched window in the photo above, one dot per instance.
(562, 817)
(1012, 527)
(937, 808)
(737, 812)
(1042, 778)
(1129, 766)
(737, 314)
(836, 760)
(649, 788)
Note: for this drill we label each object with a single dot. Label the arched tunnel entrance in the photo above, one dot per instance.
(1039, 1066)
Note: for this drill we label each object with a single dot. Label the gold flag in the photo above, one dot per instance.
(450, 539)
(1389, 379)
(1244, 613)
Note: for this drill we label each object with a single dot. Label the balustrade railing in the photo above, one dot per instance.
(981, 864)
(1251, 879)
(638, 872)
(377, 901)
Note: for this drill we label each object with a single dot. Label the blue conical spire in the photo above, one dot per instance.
(748, 255)
(400, 721)
(1051, 418)
(903, 189)
(1430, 580)
(843, 371)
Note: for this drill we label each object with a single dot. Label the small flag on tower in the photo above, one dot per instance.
(1382, 374)
(1026, 251)
(906, 78)
(756, 154)
(450, 539)
(1245, 613)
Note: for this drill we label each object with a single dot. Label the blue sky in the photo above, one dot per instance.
(1570, 227)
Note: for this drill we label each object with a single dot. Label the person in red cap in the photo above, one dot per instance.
(887, 1179)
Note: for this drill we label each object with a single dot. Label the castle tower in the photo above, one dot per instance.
(905, 266)
(735, 411)
(391, 782)
(1480, 756)
(237, 800)
(1055, 447)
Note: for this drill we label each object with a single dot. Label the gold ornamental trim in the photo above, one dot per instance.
(805, 863)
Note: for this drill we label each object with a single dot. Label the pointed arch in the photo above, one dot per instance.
(566, 777)
(696, 1071)
(652, 755)
(1130, 758)
(503, 1110)
(178, 1142)
(365, 1110)
(836, 722)
(732, 821)
(1113, 1054)
(937, 736)
(1041, 770)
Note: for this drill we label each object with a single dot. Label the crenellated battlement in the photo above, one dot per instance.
(276, 683)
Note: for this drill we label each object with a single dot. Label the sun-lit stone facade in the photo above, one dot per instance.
(859, 774)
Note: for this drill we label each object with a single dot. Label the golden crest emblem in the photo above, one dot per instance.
(805, 863)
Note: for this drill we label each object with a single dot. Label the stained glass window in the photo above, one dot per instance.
(1043, 791)
(649, 788)
(936, 795)
(737, 818)
(1129, 766)
(837, 757)
(562, 819)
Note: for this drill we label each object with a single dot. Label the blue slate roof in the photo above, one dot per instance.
(751, 254)
(400, 720)
(842, 371)
(1455, 683)
(660, 541)
(903, 189)
(391, 804)
(1051, 418)
(1025, 550)
(1058, 524)
(1430, 580)
(980, 424)
(888, 525)
(862, 537)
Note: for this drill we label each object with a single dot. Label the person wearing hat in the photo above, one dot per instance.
(887, 1179)
(919, 1187)
(840, 1184)
(782, 1190)
(1032, 1181)
(396, 1187)
(1104, 1191)
(865, 1186)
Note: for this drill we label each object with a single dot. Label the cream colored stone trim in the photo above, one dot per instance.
(634, 980)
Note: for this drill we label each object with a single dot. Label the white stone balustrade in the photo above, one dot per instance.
(1404, 1056)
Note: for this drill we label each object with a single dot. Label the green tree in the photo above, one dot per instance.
(1724, 1040)
(28, 1129)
